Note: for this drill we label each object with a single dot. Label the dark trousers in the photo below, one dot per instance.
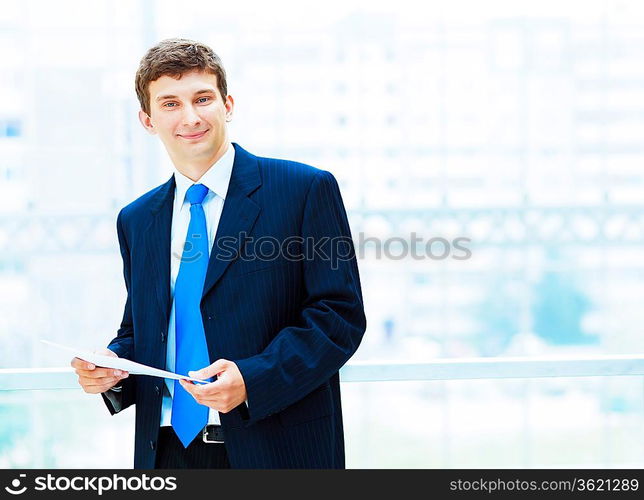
(198, 455)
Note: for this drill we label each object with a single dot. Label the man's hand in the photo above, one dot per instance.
(95, 380)
(225, 393)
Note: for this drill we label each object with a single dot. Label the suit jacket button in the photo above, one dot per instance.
(162, 336)
(153, 445)
(157, 390)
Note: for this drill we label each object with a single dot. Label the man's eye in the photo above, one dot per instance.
(168, 103)
(208, 98)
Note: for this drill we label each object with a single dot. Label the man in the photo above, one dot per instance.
(269, 325)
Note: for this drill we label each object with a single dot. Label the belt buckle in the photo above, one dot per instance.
(204, 436)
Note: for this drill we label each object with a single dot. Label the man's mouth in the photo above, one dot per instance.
(194, 136)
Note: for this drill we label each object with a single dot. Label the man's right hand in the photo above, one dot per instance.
(94, 379)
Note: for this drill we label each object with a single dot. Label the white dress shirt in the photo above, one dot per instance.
(216, 179)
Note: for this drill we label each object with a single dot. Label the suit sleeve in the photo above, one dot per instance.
(123, 344)
(332, 322)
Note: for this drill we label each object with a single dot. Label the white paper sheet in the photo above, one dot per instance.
(122, 364)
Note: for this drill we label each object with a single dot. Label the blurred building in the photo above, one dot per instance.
(521, 132)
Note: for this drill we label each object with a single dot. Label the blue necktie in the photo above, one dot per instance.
(188, 416)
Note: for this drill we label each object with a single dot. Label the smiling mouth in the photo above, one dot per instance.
(194, 136)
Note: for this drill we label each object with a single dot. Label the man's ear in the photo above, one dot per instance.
(230, 106)
(146, 122)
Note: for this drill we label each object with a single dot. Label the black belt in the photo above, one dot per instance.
(213, 434)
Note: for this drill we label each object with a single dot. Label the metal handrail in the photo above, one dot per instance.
(13, 379)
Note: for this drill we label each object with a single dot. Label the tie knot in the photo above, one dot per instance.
(196, 193)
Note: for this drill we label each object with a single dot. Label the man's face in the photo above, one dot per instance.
(189, 115)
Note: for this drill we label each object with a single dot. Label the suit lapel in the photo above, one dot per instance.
(237, 218)
(157, 243)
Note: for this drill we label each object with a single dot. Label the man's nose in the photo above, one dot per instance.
(190, 117)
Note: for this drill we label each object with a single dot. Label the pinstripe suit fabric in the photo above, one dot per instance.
(289, 320)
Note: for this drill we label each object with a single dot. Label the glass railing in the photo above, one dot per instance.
(478, 412)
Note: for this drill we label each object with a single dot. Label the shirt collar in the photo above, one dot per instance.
(216, 178)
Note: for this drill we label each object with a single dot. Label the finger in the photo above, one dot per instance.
(80, 363)
(91, 382)
(212, 402)
(96, 373)
(109, 372)
(97, 382)
(210, 390)
(122, 376)
(190, 387)
(217, 404)
(99, 389)
(210, 371)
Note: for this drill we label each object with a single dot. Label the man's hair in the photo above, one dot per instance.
(174, 57)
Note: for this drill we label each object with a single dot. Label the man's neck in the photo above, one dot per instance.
(195, 170)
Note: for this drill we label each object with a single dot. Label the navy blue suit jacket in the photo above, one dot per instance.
(289, 319)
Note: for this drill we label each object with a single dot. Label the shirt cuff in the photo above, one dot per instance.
(113, 395)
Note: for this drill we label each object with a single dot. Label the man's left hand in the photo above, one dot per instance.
(225, 393)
